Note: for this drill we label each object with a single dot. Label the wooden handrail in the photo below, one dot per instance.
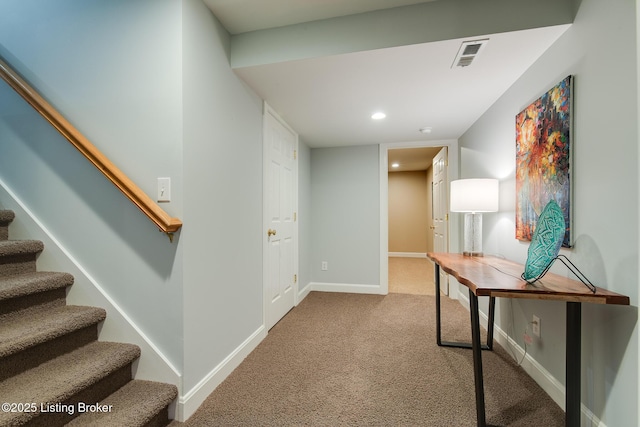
(156, 214)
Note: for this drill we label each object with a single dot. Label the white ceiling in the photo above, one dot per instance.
(328, 100)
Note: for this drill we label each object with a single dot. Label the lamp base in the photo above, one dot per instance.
(472, 253)
(472, 234)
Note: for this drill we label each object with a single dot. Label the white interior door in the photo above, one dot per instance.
(280, 234)
(440, 211)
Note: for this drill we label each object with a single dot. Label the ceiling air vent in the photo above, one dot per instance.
(468, 52)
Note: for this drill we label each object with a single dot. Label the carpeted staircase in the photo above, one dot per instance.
(53, 371)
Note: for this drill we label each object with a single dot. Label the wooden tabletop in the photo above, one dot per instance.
(497, 277)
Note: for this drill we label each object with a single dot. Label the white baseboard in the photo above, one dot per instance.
(408, 254)
(540, 375)
(550, 384)
(588, 418)
(191, 401)
(302, 293)
(347, 288)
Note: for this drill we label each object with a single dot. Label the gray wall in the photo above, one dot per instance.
(600, 51)
(223, 303)
(345, 201)
(148, 81)
(114, 70)
(305, 215)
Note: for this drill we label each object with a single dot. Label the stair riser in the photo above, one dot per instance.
(17, 264)
(53, 297)
(6, 217)
(30, 358)
(59, 366)
(160, 420)
(91, 395)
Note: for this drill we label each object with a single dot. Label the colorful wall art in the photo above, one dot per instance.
(543, 159)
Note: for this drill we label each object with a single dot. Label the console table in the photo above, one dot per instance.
(495, 277)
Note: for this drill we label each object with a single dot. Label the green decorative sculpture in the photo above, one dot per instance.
(546, 241)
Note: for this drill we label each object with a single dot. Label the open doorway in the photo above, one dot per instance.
(411, 220)
(410, 224)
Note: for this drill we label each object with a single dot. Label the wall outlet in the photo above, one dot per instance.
(324, 266)
(536, 326)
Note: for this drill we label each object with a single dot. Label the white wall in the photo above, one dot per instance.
(114, 70)
(345, 201)
(600, 51)
(222, 236)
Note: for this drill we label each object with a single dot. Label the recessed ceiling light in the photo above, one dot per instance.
(378, 116)
(425, 130)
(395, 165)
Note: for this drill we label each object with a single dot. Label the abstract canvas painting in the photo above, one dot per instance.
(543, 159)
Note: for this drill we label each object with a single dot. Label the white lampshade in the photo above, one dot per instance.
(474, 195)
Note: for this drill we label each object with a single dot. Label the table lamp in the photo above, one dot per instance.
(473, 196)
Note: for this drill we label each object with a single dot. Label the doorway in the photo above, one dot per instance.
(280, 188)
(417, 164)
(411, 229)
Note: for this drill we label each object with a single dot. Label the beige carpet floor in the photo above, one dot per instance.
(370, 360)
(411, 276)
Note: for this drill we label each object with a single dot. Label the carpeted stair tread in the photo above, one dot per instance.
(60, 379)
(31, 283)
(135, 404)
(20, 247)
(6, 216)
(50, 356)
(20, 331)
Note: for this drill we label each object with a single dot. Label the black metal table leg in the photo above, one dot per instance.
(492, 305)
(490, 322)
(574, 343)
(438, 329)
(477, 359)
(475, 344)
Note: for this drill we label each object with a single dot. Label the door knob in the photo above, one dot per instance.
(271, 233)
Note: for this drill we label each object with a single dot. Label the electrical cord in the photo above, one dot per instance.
(511, 350)
(499, 270)
(512, 323)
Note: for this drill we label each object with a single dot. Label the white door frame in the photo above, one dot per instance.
(452, 171)
(265, 223)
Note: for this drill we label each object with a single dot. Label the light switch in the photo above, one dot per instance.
(164, 189)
